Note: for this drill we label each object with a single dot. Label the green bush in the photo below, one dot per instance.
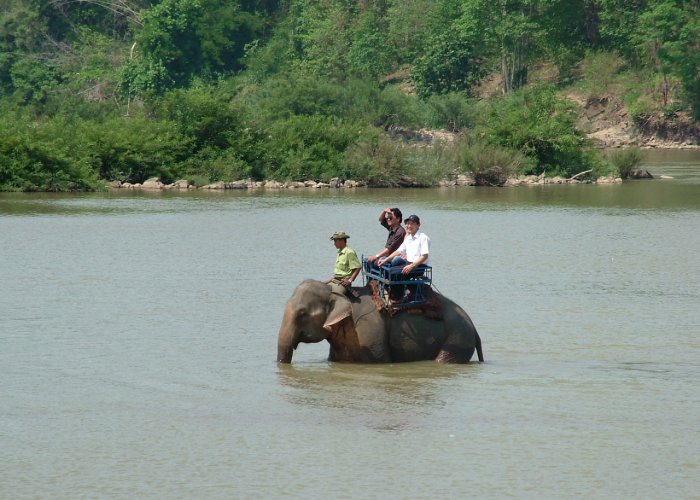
(136, 148)
(427, 165)
(490, 165)
(45, 156)
(599, 70)
(395, 108)
(642, 92)
(450, 64)
(369, 54)
(211, 165)
(382, 161)
(206, 119)
(540, 125)
(453, 111)
(353, 99)
(295, 94)
(626, 160)
(308, 147)
(33, 81)
(599, 168)
(377, 159)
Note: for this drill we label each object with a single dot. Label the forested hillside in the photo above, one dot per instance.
(97, 90)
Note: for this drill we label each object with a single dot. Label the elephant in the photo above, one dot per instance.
(358, 331)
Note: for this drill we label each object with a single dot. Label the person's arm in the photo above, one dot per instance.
(372, 258)
(409, 267)
(382, 260)
(382, 215)
(392, 254)
(383, 222)
(348, 281)
(356, 268)
(425, 251)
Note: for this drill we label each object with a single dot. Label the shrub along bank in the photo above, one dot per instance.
(319, 131)
(99, 91)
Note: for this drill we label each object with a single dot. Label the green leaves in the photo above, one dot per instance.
(41, 157)
(309, 147)
(449, 65)
(539, 124)
(136, 148)
(669, 32)
(313, 89)
(183, 39)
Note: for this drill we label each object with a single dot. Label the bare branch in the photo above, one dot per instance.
(579, 174)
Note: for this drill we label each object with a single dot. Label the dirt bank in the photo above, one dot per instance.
(607, 122)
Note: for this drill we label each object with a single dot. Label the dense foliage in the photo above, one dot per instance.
(97, 90)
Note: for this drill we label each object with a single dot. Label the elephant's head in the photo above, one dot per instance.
(309, 317)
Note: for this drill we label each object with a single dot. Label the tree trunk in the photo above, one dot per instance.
(591, 21)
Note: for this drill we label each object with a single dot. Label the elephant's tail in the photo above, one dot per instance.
(479, 352)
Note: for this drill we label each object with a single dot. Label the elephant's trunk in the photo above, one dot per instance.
(286, 340)
(284, 354)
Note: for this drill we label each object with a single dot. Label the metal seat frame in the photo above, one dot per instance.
(420, 279)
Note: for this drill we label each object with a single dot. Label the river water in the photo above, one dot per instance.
(138, 345)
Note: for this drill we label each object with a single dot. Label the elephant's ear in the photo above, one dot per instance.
(339, 309)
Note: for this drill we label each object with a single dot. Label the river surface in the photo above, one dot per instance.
(138, 343)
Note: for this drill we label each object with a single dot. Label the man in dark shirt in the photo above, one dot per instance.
(391, 219)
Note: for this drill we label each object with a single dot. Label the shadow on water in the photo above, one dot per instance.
(389, 397)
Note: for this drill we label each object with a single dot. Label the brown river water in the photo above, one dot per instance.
(138, 345)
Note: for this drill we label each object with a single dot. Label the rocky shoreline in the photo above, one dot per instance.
(155, 184)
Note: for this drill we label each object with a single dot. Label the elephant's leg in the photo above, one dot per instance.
(462, 338)
(454, 354)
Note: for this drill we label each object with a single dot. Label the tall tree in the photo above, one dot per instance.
(669, 35)
(181, 39)
(618, 22)
(409, 27)
(508, 31)
(321, 35)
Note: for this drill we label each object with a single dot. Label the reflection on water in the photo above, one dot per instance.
(402, 389)
(386, 398)
(631, 195)
(681, 164)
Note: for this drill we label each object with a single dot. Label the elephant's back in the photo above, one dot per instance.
(452, 310)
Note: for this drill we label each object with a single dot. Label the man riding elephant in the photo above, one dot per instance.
(390, 219)
(413, 253)
(347, 265)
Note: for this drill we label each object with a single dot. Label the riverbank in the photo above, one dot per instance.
(608, 124)
(155, 184)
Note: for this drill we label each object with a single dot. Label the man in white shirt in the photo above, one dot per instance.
(413, 252)
(415, 249)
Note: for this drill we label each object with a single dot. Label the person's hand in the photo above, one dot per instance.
(371, 258)
(407, 268)
(381, 261)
